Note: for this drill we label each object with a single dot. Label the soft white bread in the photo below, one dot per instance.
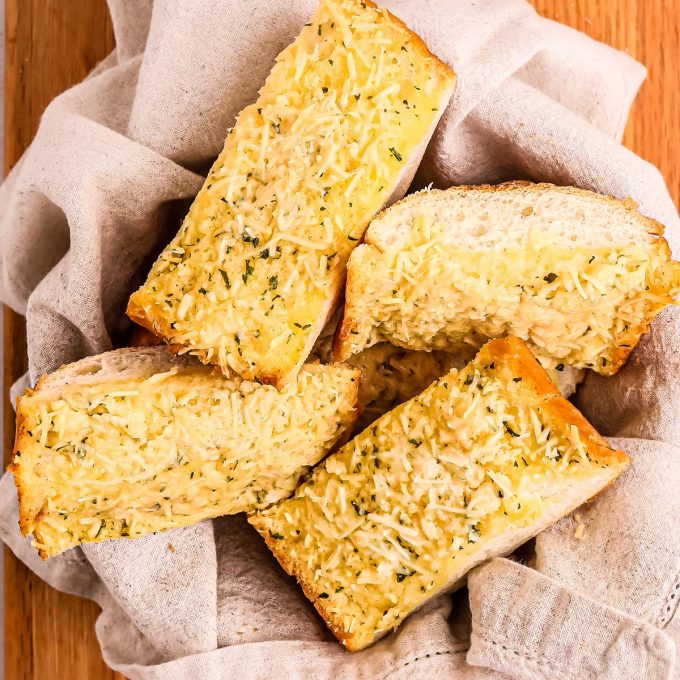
(138, 440)
(336, 134)
(578, 275)
(480, 462)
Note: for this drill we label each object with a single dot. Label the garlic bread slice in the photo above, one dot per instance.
(337, 132)
(578, 275)
(478, 463)
(137, 440)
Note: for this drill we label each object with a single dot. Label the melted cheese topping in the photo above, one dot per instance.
(251, 277)
(386, 522)
(391, 375)
(130, 457)
(581, 307)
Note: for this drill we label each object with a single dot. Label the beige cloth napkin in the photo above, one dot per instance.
(113, 164)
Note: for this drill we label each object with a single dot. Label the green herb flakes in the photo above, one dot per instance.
(358, 509)
(248, 272)
(225, 278)
(509, 430)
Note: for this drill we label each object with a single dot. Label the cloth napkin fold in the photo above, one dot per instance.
(100, 190)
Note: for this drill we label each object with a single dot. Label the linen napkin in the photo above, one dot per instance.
(113, 165)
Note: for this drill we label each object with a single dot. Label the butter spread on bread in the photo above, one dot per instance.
(474, 466)
(578, 275)
(391, 375)
(138, 440)
(336, 134)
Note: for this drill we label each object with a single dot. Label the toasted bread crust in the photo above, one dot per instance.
(136, 313)
(341, 346)
(13, 467)
(516, 355)
(289, 567)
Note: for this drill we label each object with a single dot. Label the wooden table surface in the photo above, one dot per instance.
(52, 44)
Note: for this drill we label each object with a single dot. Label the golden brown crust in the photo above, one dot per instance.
(288, 566)
(340, 348)
(515, 354)
(14, 468)
(143, 337)
(137, 314)
(444, 69)
(619, 355)
(27, 513)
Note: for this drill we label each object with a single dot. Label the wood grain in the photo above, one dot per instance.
(649, 31)
(51, 44)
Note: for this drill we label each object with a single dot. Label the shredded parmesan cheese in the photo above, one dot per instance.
(101, 460)
(425, 489)
(302, 172)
